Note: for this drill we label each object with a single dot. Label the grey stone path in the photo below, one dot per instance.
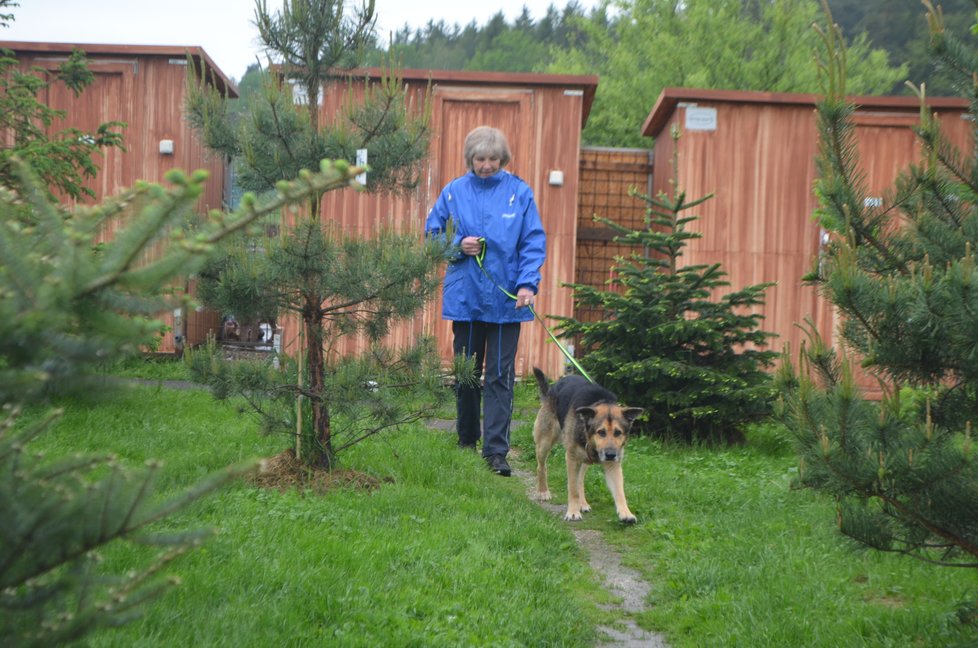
(624, 583)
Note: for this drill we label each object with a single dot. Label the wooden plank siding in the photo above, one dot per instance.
(542, 116)
(759, 163)
(143, 86)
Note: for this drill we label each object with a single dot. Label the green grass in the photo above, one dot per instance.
(738, 558)
(446, 554)
(149, 367)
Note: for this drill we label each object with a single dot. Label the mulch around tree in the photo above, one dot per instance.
(284, 471)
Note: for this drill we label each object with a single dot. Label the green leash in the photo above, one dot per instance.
(478, 259)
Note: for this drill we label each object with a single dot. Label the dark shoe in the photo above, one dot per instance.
(497, 463)
(466, 446)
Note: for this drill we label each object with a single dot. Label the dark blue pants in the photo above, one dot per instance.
(494, 348)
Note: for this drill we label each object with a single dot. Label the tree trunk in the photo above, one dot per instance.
(315, 366)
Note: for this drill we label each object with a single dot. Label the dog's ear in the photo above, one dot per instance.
(586, 414)
(631, 413)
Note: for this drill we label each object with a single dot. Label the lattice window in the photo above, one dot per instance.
(605, 180)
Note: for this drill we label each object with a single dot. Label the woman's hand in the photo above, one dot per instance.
(471, 245)
(524, 297)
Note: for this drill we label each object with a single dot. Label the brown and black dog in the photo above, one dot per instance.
(593, 428)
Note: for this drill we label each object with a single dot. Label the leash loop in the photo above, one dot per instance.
(479, 259)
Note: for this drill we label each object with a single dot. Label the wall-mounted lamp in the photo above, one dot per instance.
(166, 147)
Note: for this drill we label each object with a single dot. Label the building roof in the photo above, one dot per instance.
(669, 98)
(587, 84)
(196, 53)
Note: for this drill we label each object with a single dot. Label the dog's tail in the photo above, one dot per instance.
(542, 382)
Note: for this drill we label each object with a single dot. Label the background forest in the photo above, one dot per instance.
(638, 47)
(525, 45)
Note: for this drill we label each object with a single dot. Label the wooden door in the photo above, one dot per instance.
(456, 112)
(107, 99)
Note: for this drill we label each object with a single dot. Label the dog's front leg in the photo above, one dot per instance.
(582, 471)
(576, 504)
(616, 484)
(544, 436)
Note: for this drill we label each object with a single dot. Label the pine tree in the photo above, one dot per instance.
(336, 284)
(66, 305)
(667, 342)
(58, 515)
(903, 275)
(523, 46)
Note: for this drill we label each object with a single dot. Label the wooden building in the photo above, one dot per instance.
(144, 87)
(542, 116)
(756, 152)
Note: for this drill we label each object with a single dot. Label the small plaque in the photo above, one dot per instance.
(701, 119)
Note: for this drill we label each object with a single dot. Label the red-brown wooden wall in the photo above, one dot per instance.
(759, 163)
(542, 116)
(143, 86)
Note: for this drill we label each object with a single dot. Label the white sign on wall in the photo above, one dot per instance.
(701, 119)
(362, 161)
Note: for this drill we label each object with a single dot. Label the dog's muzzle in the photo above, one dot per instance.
(609, 454)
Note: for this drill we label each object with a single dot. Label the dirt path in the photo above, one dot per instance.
(626, 585)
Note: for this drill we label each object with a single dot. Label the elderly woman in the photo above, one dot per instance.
(501, 246)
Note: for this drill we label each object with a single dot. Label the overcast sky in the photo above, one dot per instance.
(223, 27)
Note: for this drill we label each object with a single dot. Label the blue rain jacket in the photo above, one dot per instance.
(500, 209)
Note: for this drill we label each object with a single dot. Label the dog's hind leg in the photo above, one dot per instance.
(545, 432)
(616, 484)
(576, 504)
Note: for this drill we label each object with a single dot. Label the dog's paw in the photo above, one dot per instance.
(627, 519)
(543, 496)
(585, 508)
(573, 516)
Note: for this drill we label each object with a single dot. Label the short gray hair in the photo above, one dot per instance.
(486, 140)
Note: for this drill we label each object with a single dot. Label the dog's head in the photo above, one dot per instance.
(606, 429)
